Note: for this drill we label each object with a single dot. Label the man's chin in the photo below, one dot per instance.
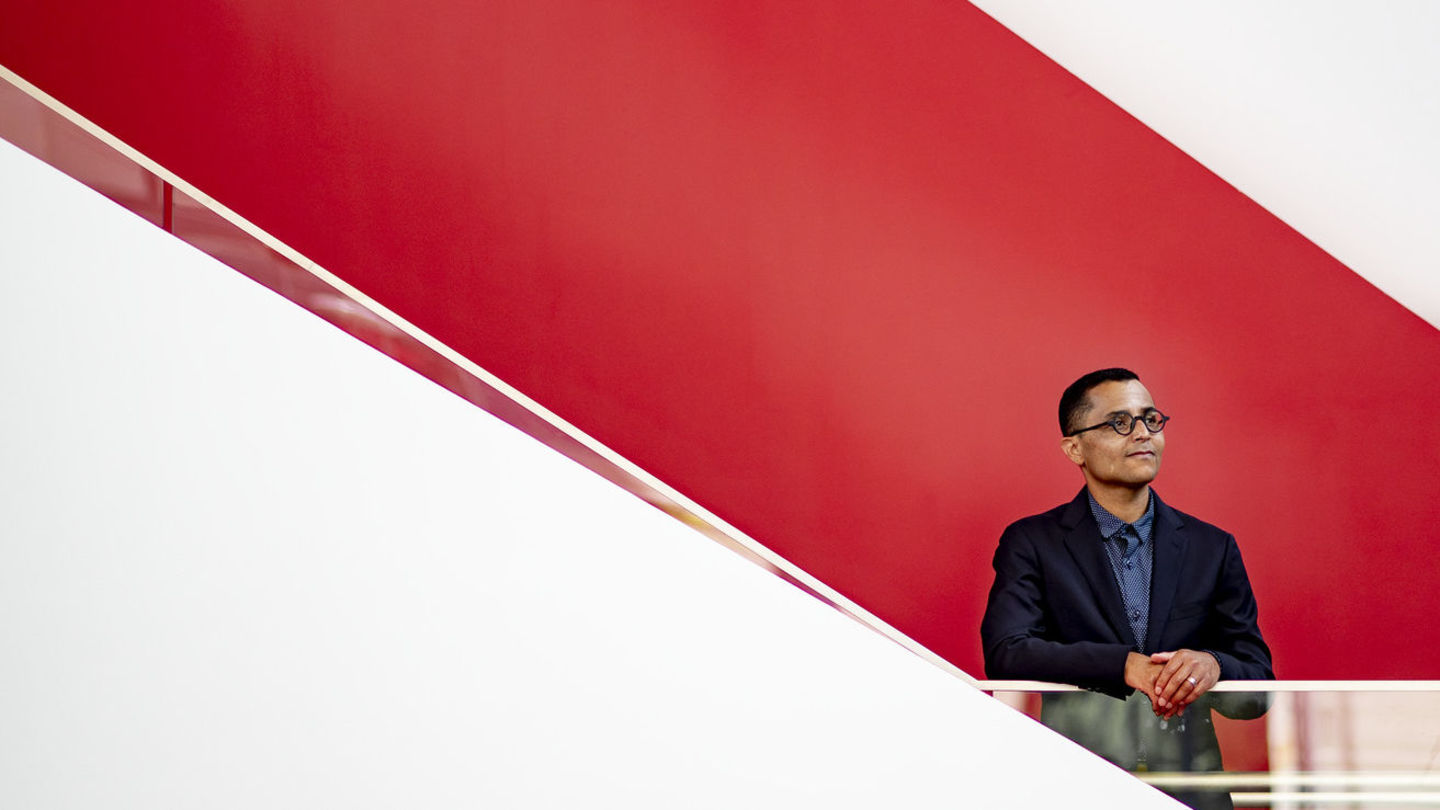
(1139, 481)
(1144, 470)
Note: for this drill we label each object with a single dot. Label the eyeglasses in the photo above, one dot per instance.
(1124, 423)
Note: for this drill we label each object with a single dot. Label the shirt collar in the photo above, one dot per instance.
(1109, 524)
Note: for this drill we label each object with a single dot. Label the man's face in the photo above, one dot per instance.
(1106, 457)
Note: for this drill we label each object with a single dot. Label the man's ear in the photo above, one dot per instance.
(1070, 446)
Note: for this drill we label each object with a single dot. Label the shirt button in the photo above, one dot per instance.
(1129, 566)
(1134, 614)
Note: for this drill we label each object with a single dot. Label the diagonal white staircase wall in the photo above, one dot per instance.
(249, 562)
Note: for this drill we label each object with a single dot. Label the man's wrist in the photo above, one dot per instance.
(1134, 665)
(1219, 665)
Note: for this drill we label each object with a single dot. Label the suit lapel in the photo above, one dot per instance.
(1169, 538)
(1084, 543)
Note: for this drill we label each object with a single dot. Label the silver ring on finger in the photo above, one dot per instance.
(1192, 680)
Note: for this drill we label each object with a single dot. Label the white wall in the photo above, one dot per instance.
(248, 562)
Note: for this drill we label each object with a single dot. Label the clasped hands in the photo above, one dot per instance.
(1172, 680)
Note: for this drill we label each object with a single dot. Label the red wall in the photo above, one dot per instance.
(822, 267)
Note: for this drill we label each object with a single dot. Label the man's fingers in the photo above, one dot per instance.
(1185, 685)
(1179, 685)
(1155, 705)
(1198, 678)
(1165, 682)
(1201, 684)
(1161, 657)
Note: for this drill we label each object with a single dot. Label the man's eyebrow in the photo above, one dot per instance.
(1143, 411)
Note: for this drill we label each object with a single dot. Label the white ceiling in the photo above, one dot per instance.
(1326, 113)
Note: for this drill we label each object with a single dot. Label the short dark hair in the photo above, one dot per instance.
(1073, 402)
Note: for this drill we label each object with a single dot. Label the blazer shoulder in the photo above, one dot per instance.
(1045, 523)
(1196, 528)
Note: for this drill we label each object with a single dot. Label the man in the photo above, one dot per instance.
(1120, 593)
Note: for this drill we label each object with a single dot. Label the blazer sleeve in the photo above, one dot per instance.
(1232, 633)
(1017, 642)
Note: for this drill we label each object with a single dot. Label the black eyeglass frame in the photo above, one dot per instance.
(1113, 423)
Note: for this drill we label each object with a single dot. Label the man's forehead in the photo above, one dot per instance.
(1122, 395)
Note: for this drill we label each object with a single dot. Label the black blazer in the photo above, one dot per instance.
(1055, 612)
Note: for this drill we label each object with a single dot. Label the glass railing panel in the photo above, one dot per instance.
(1285, 745)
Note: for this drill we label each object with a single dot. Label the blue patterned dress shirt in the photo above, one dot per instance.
(1132, 557)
